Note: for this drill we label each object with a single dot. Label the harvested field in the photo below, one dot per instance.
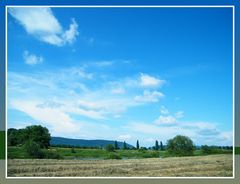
(197, 166)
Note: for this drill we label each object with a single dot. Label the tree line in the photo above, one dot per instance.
(36, 140)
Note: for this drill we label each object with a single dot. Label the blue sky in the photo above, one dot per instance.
(122, 73)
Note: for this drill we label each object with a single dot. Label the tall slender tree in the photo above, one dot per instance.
(124, 145)
(156, 145)
(161, 146)
(116, 145)
(137, 145)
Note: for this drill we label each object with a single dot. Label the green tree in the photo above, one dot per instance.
(33, 149)
(110, 148)
(205, 149)
(116, 145)
(156, 145)
(137, 145)
(13, 139)
(38, 134)
(180, 146)
(161, 146)
(124, 145)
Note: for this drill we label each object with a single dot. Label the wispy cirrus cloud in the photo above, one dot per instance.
(42, 24)
(164, 110)
(149, 96)
(100, 101)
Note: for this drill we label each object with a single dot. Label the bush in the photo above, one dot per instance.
(73, 150)
(206, 149)
(52, 155)
(110, 148)
(113, 156)
(33, 149)
(180, 146)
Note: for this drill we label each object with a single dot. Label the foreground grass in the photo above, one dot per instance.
(201, 166)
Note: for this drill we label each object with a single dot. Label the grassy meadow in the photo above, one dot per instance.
(79, 153)
(197, 166)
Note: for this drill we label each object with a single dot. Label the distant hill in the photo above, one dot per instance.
(82, 142)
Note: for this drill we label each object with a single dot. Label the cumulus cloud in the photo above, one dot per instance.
(166, 120)
(32, 59)
(42, 24)
(150, 81)
(149, 96)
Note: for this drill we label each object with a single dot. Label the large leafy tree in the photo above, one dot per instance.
(180, 146)
(35, 133)
(38, 134)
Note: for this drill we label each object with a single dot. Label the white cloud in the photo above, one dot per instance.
(53, 117)
(124, 137)
(102, 63)
(32, 59)
(170, 119)
(199, 134)
(179, 114)
(149, 81)
(78, 72)
(42, 24)
(149, 96)
(69, 87)
(70, 35)
(166, 120)
(164, 110)
(118, 91)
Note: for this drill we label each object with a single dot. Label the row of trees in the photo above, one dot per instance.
(36, 138)
(178, 146)
(125, 147)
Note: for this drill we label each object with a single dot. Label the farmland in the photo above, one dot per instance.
(198, 166)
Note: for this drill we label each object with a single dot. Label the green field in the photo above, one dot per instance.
(79, 153)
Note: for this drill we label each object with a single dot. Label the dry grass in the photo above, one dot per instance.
(198, 166)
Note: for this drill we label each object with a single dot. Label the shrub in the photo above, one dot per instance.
(33, 149)
(73, 150)
(113, 156)
(180, 146)
(110, 148)
(52, 155)
(206, 149)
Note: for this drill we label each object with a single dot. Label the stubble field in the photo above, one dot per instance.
(197, 166)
